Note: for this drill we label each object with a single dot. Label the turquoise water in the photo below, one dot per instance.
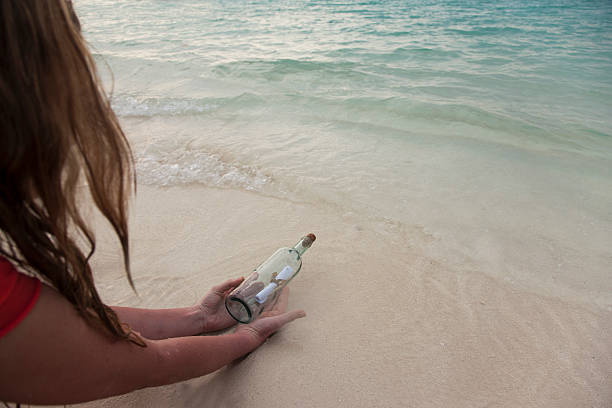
(487, 126)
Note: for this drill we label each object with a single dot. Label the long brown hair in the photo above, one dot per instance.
(57, 130)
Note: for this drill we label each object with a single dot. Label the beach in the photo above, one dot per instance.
(386, 325)
(453, 159)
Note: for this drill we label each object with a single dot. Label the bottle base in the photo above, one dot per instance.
(238, 309)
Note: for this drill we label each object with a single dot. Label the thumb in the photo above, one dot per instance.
(221, 288)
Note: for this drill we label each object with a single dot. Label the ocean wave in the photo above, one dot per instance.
(167, 164)
(431, 105)
(274, 70)
(402, 112)
(128, 105)
(486, 31)
(131, 106)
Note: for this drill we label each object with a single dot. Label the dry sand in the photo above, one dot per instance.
(386, 326)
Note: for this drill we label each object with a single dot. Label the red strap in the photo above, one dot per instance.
(18, 295)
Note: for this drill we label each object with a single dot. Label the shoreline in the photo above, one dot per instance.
(386, 325)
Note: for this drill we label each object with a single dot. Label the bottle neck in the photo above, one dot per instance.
(304, 243)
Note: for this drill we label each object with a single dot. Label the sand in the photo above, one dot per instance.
(386, 326)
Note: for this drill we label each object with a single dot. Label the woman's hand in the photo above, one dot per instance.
(271, 320)
(214, 316)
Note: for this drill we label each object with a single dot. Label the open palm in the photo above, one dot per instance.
(212, 306)
(271, 320)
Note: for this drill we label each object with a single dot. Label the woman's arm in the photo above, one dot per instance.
(54, 357)
(208, 315)
(156, 324)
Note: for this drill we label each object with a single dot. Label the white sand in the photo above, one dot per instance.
(386, 326)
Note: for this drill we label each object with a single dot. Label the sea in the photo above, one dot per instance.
(480, 131)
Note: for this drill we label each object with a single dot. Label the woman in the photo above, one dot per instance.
(59, 343)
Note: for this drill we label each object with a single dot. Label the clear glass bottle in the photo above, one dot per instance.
(262, 287)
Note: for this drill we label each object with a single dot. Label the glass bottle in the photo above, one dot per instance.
(261, 288)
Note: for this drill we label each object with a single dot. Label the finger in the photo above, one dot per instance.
(252, 289)
(266, 326)
(227, 285)
(284, 318)
(283, 301)
(294, 314)
(270, 313)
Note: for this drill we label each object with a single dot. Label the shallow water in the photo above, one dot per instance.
(478, 131)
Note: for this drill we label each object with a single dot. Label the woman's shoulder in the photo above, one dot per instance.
(18, 295)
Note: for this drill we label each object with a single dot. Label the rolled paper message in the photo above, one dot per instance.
(286, 273)
(262, 296)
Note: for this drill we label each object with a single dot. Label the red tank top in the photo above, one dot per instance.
(18, 295)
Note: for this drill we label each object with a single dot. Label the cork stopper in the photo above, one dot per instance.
(308, 240)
